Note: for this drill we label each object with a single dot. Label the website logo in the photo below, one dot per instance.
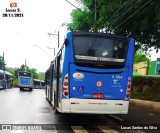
(13, 4)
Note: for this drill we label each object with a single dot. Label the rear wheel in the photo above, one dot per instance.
(21, 89)
(31, 89)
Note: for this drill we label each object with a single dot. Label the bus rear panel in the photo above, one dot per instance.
(96, 73)
(25, 80)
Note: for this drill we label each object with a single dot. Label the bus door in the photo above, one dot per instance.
(51, 83)
(58, 76)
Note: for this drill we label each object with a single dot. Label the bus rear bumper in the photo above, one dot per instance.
(94, 106)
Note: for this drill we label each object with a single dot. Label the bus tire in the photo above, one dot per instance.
(56, 111)
(21, 89)
(31, 89)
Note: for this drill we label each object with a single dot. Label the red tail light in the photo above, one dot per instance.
(65, 87)
(65, 83)
(100, 65)
(66, 93)
(128, 91)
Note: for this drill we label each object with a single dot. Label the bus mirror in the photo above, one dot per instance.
(66, 42)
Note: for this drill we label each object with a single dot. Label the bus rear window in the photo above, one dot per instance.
(100, 49)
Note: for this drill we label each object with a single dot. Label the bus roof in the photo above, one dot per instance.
(8, 73)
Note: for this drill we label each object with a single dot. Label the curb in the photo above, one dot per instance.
(155, 106)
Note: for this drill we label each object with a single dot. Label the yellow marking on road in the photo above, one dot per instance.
(106, 129)
(78, 129)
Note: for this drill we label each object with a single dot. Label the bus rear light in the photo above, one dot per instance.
(65, 83)
(129, 86)
(74, 102)
(65, 86)
(120, 104)
(64, 89)
(100, 65)
(127, 95)
(128, 91)
(66, 93)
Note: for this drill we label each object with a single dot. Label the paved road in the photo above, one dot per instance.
(25, 107)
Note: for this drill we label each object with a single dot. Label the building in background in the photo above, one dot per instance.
(141, 68)
(154, 67)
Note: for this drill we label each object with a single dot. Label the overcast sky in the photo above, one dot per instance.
(19, 34)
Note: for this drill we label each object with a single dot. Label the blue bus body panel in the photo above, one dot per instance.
(113, 81)
(108, 82)
(25, 81)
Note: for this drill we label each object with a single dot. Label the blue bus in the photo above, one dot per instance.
(6, 79)
(9, 79)
(91, 74)
(25, 80)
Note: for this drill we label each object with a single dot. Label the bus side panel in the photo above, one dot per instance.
(130, 57)
(65, 68)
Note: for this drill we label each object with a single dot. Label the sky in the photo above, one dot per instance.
(27, 37)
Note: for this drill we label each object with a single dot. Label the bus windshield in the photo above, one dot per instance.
(99, 49)
(25, 74)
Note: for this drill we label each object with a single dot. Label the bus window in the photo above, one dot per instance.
(100, 50)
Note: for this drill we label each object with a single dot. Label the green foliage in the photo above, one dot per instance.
(141, 19)
(140, 58)
(157, 97)
(14, 72)
(23, 68)
(41, 76)
(15, 80)
(2, 63)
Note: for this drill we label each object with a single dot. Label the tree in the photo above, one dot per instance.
(12, 71)
(32, 70)
(2, 63)
(141, 19)
(140, 58)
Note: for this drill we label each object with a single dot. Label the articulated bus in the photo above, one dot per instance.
(9, 79)
(91, 74)
(6, 79)
(25, 80)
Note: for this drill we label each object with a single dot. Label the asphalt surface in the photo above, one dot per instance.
(25, 107)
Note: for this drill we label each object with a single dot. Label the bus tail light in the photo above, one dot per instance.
(65, 86)
(128, 91)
